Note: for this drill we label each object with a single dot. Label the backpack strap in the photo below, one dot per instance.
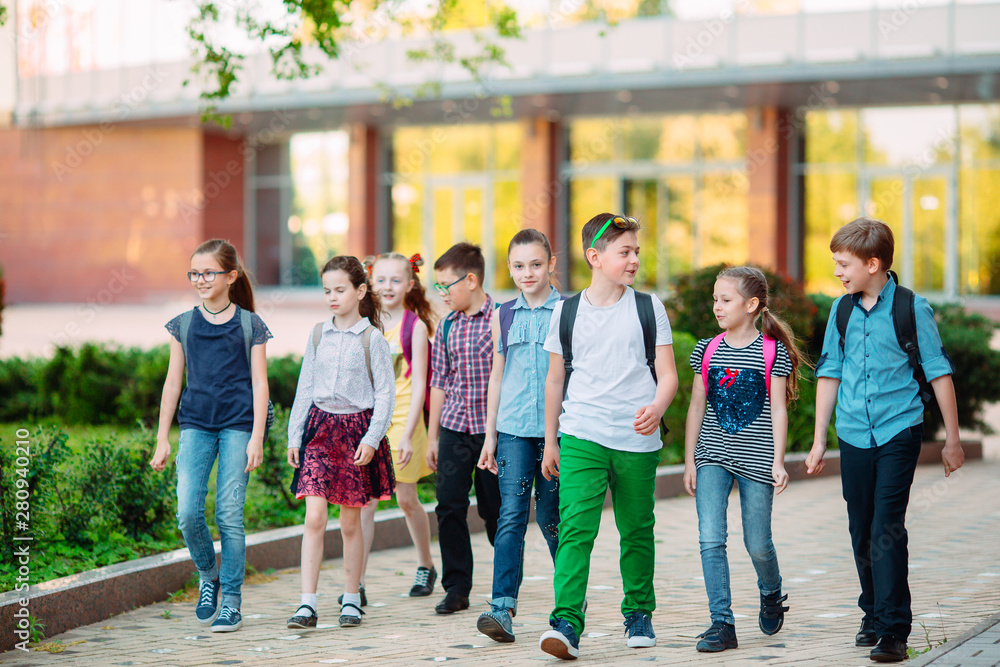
(445, 328)
(904, 321)
(710, 349)
(185, 328)
(366, 339)
(844, 308)
(246, 321)
(317, 334)
(644, 304)
(406, 339)
(566, 320)
(506, 319)
(770, 352)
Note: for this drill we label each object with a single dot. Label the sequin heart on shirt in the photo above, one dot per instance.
(736, 396)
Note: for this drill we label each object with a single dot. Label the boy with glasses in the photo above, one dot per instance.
(461, 361)
(615, 347)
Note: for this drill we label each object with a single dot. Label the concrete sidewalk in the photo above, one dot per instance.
(954, 528)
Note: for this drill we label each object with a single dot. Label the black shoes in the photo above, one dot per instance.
(889, 649)
(719, 637)
(423, 582)
(451, 603)
(772, 614)
(866, 634)
(303, 621)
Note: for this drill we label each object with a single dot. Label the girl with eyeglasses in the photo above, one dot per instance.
(223, 414)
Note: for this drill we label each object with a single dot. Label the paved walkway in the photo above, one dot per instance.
(955, 578)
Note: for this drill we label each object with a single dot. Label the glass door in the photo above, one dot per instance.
(455, 210)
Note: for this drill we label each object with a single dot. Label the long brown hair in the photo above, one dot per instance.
(369, 306)
(415, 300)
(241, 291)
(751, 282)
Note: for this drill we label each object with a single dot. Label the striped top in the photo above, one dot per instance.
(736, 430)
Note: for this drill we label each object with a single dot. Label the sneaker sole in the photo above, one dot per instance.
(227, 628)
(494, 630)
(557, 646)
(299, 626)
(781, 624)
(707, 649)
(422, 593)
(216, 615)
(641, 642)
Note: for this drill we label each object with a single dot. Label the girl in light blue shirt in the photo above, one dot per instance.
(515, 423)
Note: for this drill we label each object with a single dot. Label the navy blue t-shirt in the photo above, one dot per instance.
(219, 392)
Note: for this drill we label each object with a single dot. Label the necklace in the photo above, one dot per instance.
(216, 312)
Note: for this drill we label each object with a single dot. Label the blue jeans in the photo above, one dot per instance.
(519, 462)
(195, 458)
(712, 499)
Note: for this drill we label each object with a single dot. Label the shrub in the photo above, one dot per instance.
(823, 305)
(283, 378)
(690, 307)
(676, 415)
(20, 385)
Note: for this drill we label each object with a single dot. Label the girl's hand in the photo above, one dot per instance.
(160, 456)
(646, 420)
(780, 477)
(364, 455)
(690, 478)
(550, 462)
(405, 452)
(255, 453)
(432, 454)
(487, 460)
(293, 457)
(815, 462)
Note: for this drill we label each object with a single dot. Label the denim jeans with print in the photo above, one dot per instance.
(519, 464)
(195, 458)
(714, 485)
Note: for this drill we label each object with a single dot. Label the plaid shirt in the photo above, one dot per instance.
(463, 369)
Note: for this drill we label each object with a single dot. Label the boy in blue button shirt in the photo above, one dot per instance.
(879, 425)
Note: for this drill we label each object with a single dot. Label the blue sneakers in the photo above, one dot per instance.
(639, 628)
(208, 601)
(496, 624)
(561, 641)
(229, 620)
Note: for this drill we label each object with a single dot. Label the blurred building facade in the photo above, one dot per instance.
(735, 131)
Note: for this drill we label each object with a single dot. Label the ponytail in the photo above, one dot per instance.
(369, 306)
(752, 283)
(241, 291)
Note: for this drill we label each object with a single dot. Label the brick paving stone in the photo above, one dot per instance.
(954, 527)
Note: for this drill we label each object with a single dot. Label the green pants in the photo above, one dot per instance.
(586, 470)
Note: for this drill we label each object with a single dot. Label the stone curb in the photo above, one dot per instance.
(939, 651)
(88, 597)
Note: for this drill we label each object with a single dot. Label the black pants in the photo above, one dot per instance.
(876, 485)
(458, 454)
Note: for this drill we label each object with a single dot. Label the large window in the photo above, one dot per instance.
(457, 183)
(931, 173)
(683, 177)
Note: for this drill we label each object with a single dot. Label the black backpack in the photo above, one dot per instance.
(904, 321)
(643, 304)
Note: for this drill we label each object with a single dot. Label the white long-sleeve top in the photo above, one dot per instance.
(334, 377)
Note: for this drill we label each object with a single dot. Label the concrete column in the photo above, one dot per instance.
(767, 144)
(542, 190)
(362, 190)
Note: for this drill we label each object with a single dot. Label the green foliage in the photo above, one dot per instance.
(20, 385)
(36, 630)
(282, 380)
(676, 415)
(966, 338)
(690, 308)
(824, 304)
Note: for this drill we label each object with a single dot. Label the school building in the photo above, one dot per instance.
(735, 130)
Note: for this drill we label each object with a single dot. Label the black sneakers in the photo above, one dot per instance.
(719, 637)
(772, 613)
(866, 633)
(451, 603)
(423, 582)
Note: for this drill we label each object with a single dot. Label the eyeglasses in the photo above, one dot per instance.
(444, 290)
(209, 276)
(621, 222)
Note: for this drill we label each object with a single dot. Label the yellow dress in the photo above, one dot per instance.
(417, 467)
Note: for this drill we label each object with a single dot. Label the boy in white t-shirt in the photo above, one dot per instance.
(610, 415)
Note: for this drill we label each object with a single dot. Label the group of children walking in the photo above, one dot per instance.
(563, 396)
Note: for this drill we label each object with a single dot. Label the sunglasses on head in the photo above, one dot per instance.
(619, 221)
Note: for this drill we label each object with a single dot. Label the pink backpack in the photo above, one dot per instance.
(770, 352)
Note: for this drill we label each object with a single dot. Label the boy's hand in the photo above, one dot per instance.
(432, 454)
(255, 453)
(690, 478)
(647, 419)
(162, 453)
(487, 459)
(293, 457)
(815, 462)
(780, 477)
(550, 462)
(364, 455)
(405, 452)
(952, 455)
